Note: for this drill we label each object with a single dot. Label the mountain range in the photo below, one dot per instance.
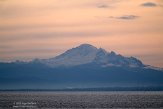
(84, 66)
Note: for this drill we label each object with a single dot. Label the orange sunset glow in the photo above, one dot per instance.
(42, 29)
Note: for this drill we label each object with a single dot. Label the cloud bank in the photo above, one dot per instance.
(149, 4)
(103, 6)
(126, 17)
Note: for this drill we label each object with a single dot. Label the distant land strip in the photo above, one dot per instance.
(94, 89)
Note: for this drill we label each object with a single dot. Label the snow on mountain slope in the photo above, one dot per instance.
(87, 53)
(154, 68)
(113, 59)
(83, 54)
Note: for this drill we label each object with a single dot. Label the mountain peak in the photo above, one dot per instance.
(86, 53)
(102, 50)
(112, 53)
(86, 46)
(82, 54)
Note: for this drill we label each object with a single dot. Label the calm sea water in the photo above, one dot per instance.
(50, 100)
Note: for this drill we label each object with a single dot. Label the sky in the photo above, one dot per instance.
(42, 29)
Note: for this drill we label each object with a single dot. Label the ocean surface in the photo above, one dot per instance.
(85, 99)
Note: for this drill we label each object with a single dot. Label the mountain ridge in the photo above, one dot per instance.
(86, 53)
(89, 67)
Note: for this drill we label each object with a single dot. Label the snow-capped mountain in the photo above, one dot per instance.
(87, 53)
(83, 54)
(83, 66)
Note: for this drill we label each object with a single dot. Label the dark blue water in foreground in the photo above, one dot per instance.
(80, 99)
